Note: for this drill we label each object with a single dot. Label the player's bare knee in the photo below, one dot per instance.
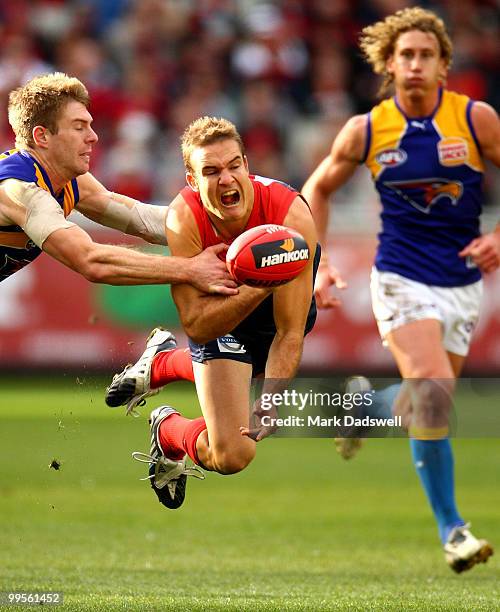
(233, 460)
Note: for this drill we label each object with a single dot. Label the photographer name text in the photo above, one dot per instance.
(335, 421)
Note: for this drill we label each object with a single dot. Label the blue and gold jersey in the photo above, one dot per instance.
(428, 173)
(16, 248)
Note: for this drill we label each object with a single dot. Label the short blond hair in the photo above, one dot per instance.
(378, 41)
(205, 131)
(40, 102)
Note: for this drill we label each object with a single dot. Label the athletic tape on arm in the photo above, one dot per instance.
(144, 220)
(43, 214)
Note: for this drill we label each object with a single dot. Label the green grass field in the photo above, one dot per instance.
(298, 530)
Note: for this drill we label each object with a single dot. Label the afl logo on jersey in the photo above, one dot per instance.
(391, 157)
(453, 151)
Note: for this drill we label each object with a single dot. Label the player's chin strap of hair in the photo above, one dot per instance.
(147, 221)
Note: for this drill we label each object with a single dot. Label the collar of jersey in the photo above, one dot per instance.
(430, 117)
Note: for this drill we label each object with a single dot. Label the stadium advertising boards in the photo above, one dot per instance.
(52, 317)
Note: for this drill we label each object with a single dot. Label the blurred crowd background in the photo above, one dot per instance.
(287, 73)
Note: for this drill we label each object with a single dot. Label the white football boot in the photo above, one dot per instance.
(462, 550)
(348, 447)
(168, 477)
(131, 386)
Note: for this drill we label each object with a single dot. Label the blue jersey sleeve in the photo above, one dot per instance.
(15, 165)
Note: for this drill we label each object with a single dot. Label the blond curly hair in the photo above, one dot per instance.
(378, 41)
(205, 131)
(40, 102)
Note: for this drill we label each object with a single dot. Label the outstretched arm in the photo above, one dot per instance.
(102, 263)
(206, 272)
(335, 170)
(42, 219)
(120, 212)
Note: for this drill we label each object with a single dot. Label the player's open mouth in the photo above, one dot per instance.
(230, 198)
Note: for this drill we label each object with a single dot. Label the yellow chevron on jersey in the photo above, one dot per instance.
(8, 153)
(387, 126)
(69, 199)
(457, 145)
(40, 181)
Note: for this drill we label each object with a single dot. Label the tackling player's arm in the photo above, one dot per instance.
(203, 317)
(345, 156)
(206, 272)
(485, 250)
(42, 219)
(120, 212)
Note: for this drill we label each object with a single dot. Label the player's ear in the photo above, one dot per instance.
(40, 136)
(443, 71)
(245, 161)
(191, 181)
(389, 64)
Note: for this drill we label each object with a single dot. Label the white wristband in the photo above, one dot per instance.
(144, 220)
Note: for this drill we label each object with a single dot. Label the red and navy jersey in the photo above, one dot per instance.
(16, 248)
(272, 201)
(428, 172)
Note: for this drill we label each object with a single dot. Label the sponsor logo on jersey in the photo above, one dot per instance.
(421, 125)
(280, 252)
(453, 151)
(424, 193)
(390, 158)
(229, 344)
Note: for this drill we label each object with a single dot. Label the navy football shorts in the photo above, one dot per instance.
(239, 346)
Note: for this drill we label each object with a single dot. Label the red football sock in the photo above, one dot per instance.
(178, 435)
(170, 366)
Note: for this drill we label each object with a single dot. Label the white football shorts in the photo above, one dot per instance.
(397, 300)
